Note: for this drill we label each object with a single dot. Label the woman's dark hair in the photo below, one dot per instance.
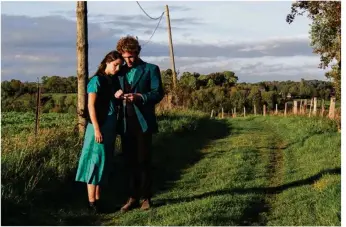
(111, 56)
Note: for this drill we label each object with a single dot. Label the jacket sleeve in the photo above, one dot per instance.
(155, 95)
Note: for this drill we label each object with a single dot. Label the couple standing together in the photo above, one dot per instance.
(121, 100)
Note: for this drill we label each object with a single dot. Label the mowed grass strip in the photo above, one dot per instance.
(310, 191)
(221, 188)
(234, 182)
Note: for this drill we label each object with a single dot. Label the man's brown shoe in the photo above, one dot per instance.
(131, 203)
(146, 204)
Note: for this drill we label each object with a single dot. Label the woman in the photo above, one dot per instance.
(100, 135)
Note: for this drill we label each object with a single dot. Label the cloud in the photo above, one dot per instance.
(249, 69)
(36, 46)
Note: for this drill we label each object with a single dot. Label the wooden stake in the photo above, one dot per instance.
(331, 114)
(315, 107)
(295, 107)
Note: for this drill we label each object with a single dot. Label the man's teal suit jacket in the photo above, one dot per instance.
(147, 82)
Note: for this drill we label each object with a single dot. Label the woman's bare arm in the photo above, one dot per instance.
(92, 112)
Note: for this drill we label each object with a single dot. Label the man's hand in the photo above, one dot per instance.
(118, 94)
(132, 97)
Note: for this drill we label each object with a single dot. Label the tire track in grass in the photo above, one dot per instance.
(270, 147)
(274, 168)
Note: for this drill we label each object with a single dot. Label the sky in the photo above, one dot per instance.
(250, 38)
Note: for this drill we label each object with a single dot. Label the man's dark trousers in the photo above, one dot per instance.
(137, 151)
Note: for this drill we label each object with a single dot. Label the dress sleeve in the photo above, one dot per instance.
(93, 85)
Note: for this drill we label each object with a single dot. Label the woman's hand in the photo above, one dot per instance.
(118, 94)
(98, 136)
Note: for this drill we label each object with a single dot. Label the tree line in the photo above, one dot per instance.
(222, 90)
(194, 91)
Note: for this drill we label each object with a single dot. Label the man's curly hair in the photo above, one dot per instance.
(128, 44)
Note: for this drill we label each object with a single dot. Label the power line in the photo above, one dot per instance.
(148, 14)
(154, 30)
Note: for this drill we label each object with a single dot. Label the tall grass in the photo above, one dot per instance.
(40, 169)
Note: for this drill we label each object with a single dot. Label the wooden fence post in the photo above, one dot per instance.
(276, 109)
(212, 113)
(310, 108)
(285, 109)
(295, 107)
(315, 106)
(332, 108)
(322, 108)
(305, 106)
(254, 109)
(300, 106)
(244, 112)
(264, 110)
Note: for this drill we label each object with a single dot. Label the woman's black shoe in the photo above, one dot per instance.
(93, 207)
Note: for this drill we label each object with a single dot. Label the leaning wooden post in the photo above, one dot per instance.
(38, 102)
(331, 114)
(212, 113)
(264, 110)
(315, 106)
(295, 107)
(285, 109)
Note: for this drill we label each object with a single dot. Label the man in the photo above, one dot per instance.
(141, 90)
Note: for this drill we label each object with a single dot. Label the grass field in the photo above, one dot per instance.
(241, 171)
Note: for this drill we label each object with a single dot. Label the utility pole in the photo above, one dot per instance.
(171, 48)
(82, 63)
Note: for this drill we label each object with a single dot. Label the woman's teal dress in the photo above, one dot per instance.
(96, 158)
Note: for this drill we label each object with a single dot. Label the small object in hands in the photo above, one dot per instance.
(131, 97)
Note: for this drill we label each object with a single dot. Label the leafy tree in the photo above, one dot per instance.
(188, 80)
(325, 34)
(167, 80)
